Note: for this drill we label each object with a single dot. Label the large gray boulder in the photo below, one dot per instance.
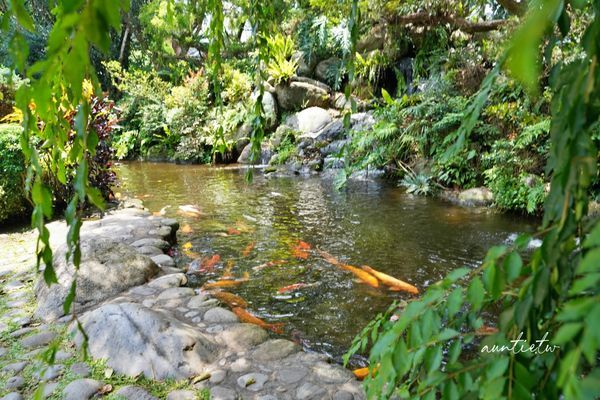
(265, 155)
(324, 69)
(107, 268)
(270, 108)
(136, 340)
(302, 92)
(305, 68)
(310, 120)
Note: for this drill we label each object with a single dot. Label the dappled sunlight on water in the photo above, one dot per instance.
(415, 239)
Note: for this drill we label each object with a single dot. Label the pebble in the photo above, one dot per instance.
(62, 355)
(168, 281)
(16, 303)
(175, 293)
(134, 393)
(274, 349)
(22, 321)
(291, 375)
(20, 332)
(37, 340)
(13, 285)
(12, 396)
(49, 389)
(51, 373)
(240, 365)
(14, 383)
(191, 314)
(222, 393)
(331, 374)
(220, 315)
(182, 395)
(81, 369)
(3, 351)
(81, 389)
(163, 260)
(253, 382)
(197, 301)
(217, 376)
(14, 368)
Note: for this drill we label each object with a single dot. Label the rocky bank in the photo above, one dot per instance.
(152, 336)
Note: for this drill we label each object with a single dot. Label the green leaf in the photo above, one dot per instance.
(512, 266)
(567, 332)
(590, 262)
(386, 96)
(476, 293)
(70, 297)
(568, 366)
(19, 10)
(433, 358)
(455, 300)
(496, 368)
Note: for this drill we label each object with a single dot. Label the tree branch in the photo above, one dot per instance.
(518, 8)
(425, 19)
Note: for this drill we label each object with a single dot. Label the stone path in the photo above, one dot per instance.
(158, 329)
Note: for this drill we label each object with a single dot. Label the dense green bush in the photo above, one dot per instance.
(12, 173)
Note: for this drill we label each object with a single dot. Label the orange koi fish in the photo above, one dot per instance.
(230, 299)
(362, 373)
(292, 287)
(362, 275)
(328, 257)
(186, 228)
(227, 282)
(300, 250)
(208, 264)
(395, 284)
(248, 249)
(248, 317)
(273, 263)
(486, 330)
(233, 231)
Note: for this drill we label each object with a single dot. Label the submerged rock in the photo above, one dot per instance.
(136, 340)
(477, 197)
(265, 155)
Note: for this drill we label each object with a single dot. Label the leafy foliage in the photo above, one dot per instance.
(424, 352)
(12, 173)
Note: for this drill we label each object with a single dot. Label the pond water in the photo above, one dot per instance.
(415, 239)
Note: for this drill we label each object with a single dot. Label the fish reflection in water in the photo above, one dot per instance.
(414, 239)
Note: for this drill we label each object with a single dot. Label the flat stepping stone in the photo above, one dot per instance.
(3, 351)
(14, 383)
(253, 382)
(134, 393)
(82, 389)
(62, 355)
(14, 368)
(14, 285)
(182, 395)
(38, 340)
(220, 315)
(16, 303)
(274, 349)
(12, 396)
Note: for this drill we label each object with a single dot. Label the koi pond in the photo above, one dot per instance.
(266, 236)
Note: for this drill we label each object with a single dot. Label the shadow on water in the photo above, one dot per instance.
(415, 239)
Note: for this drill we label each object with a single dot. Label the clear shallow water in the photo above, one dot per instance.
(415, 239)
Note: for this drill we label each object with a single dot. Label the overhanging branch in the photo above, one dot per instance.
(426, 19)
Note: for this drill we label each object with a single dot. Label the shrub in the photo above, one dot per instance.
(9, 83)
(282, 66)
(12, 173)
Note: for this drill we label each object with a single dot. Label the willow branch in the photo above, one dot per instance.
(425, 19)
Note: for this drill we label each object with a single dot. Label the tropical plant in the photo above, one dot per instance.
(12, 173)
(281, 66)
